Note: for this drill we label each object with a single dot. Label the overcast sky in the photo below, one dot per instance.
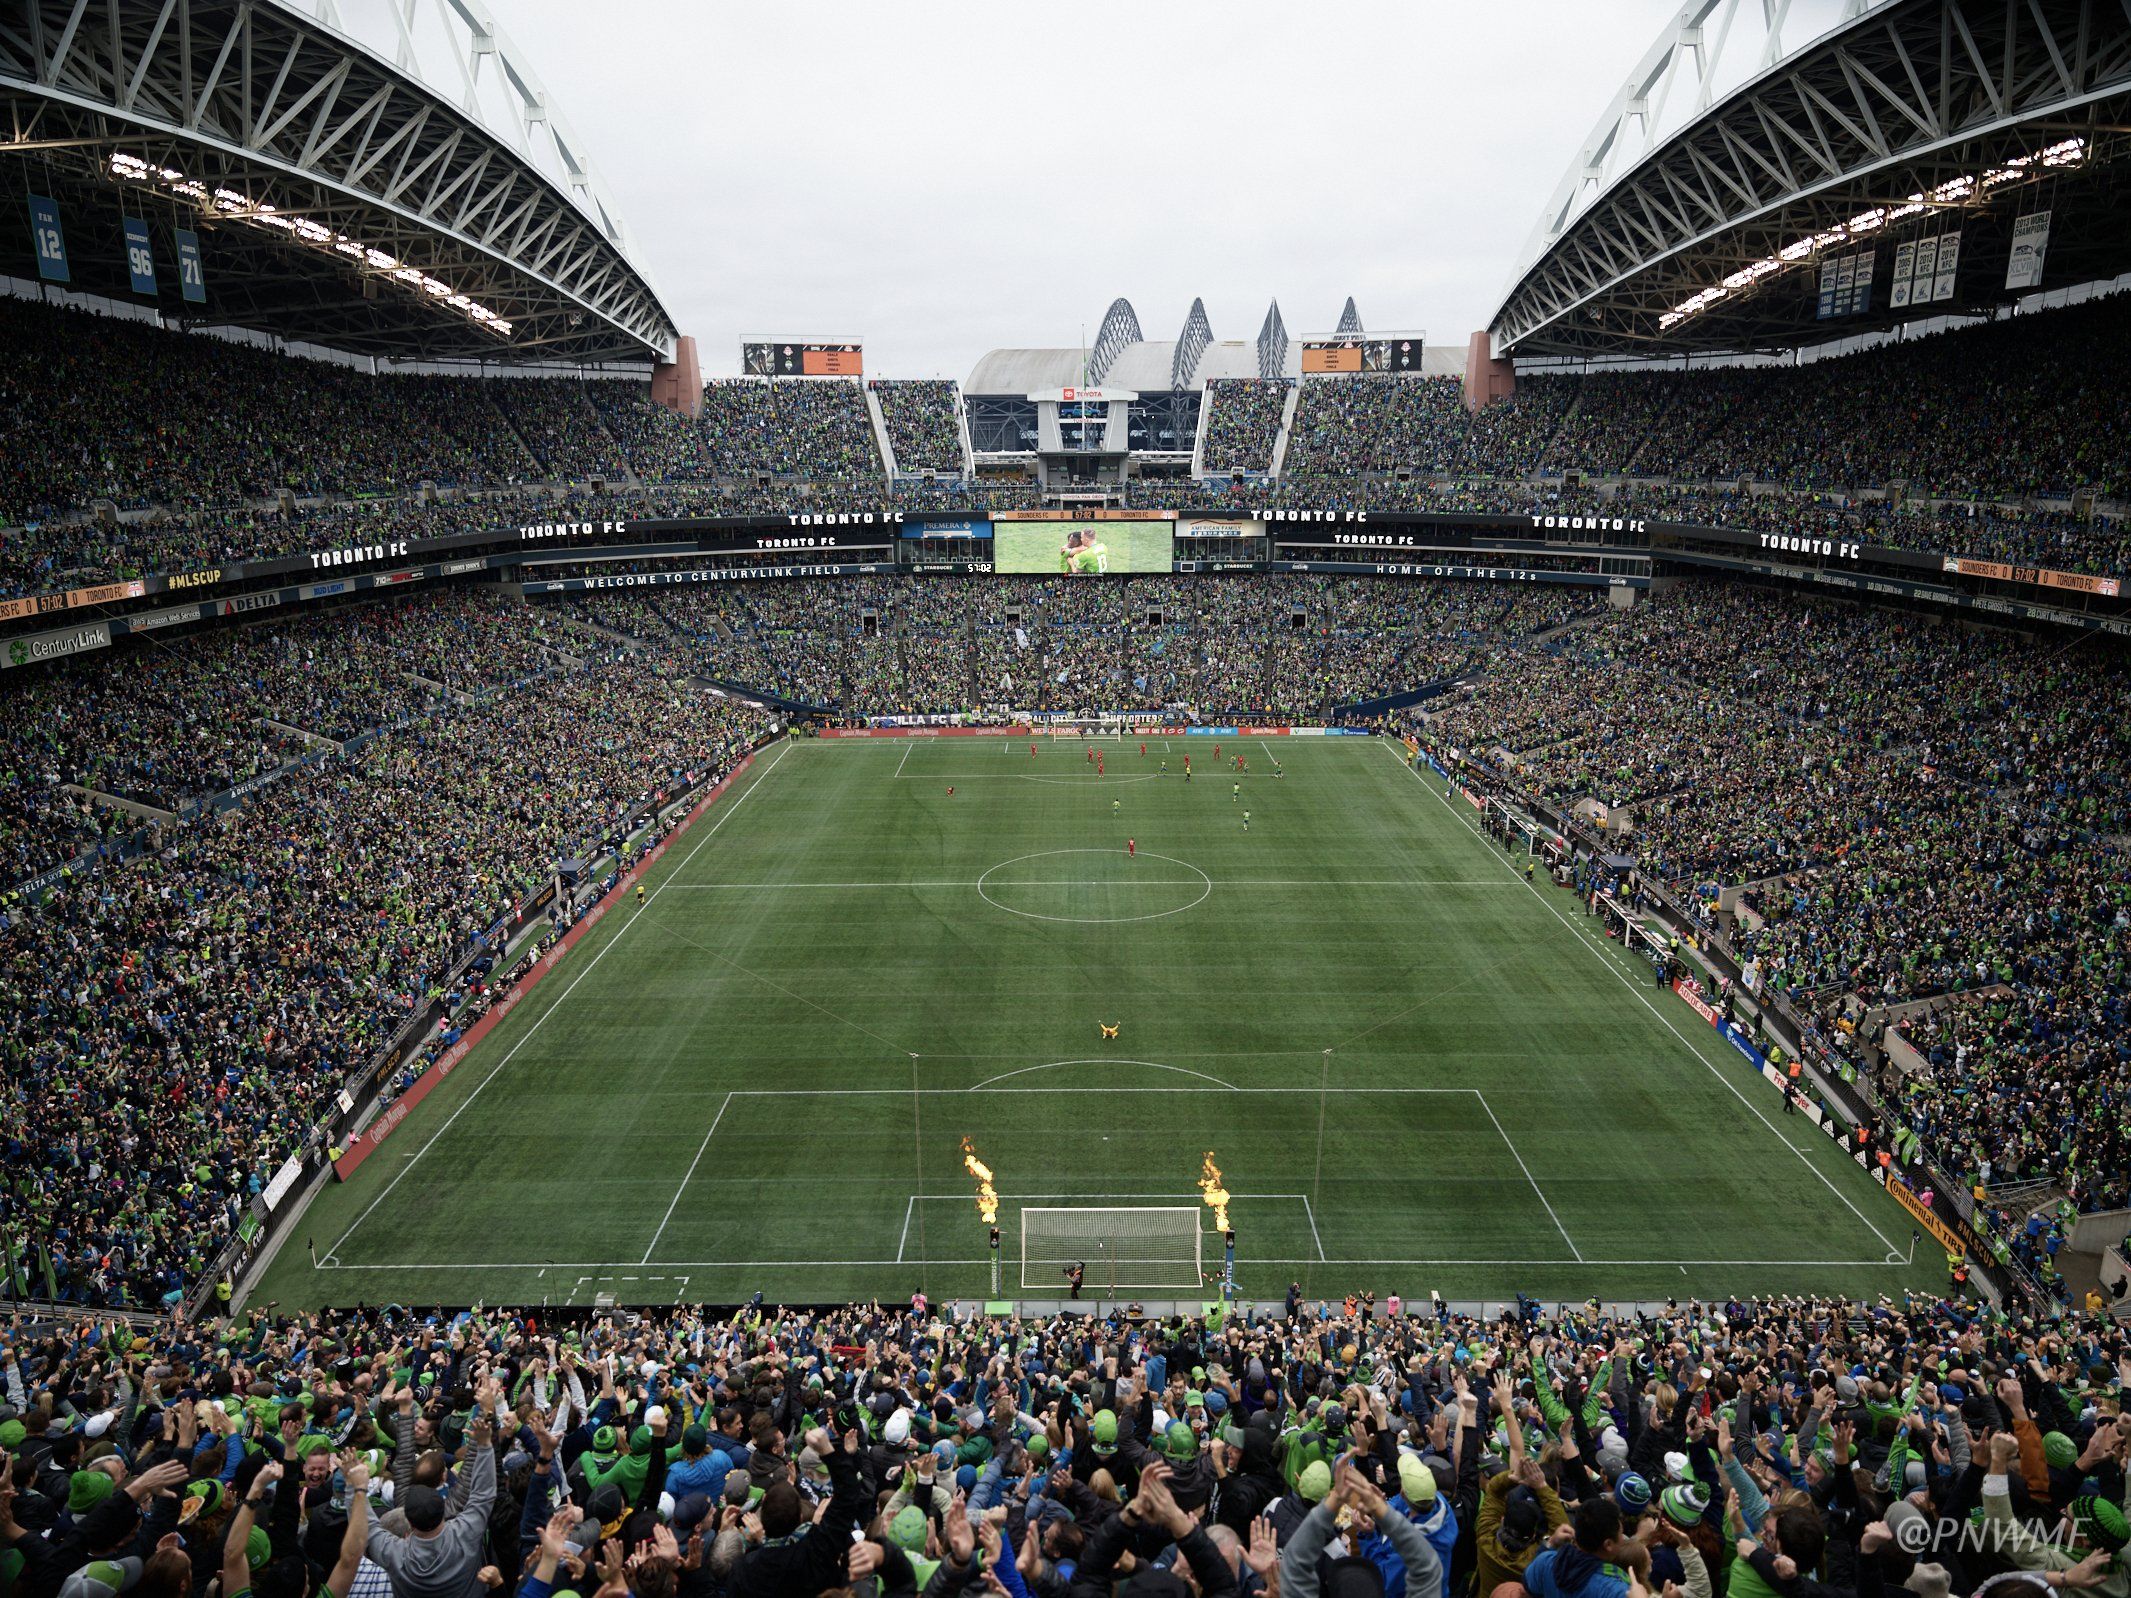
(941, 179)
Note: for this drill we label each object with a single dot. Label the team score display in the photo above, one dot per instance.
(1081, 549)
(1355, 353)
(799, 359)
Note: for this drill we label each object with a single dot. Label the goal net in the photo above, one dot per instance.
(1135, 1248)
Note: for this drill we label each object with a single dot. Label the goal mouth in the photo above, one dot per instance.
(1115, 1248)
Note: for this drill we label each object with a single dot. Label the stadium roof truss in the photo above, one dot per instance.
(1119, 331)
(1694, 194)
(1272, 342)
(388, 177)
(1190, 346)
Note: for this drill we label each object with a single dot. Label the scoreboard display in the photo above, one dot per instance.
(1325, 355)
(793, 358)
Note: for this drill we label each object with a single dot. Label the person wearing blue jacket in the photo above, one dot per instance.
(1582, 1567)
(1420, 1501)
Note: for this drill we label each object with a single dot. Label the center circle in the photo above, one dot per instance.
(1114, 892)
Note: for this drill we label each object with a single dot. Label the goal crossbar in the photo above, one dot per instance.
(1116, 1247)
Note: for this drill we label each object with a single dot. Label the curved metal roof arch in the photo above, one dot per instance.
(1704, 46)
(1120, 329)
(404, 141)
(1903, 108)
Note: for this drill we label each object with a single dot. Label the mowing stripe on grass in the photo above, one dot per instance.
(1666, 1021)
(541, 1020)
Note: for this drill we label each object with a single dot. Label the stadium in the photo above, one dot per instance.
(1488, 962)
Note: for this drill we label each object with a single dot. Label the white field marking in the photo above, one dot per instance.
(1668, 1262)
(1206, 888)
(1194, 1198)
(906, 757)
(909, 1204)
(1308, 1210)
(541, 1020)
(1262, 744)
(1666, 1021)
(692, 1164)
(1106, 781)
(1010, 776)
(861, 1093)
(1527, 1170)
(1053, 1065)
(1162, 882)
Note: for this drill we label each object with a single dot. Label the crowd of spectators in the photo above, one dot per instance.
(1241, 422)
(558, 422)
(214, 452)
(174, 1021)
(1917, 809)
(814, 428)
(1364, 1448)
(924, 420)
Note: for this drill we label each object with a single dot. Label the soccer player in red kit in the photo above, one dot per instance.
(1131, 848)
(1098, 765)
(1143, 751)
(1032, 751)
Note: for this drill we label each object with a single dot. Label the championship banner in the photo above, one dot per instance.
(2031, 244)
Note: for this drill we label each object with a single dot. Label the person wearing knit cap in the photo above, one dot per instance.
(1632, 1495)
(1684, 1506)
(1421, 1501)
(86, 1489)
(1294, 1506)
(2097, 1526)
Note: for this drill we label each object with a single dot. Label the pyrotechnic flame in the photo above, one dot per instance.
(987, 1195)
(1216, 1194)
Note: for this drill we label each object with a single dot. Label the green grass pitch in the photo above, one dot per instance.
(1416, 1071)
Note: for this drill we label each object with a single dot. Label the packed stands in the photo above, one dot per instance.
(181, 1015)
(802, 427)
(924, 423)
(1763, 1445)
(1895, 842)
(1241, 423)
(235, 427)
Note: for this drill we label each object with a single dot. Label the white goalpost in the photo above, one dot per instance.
(1133, 1247)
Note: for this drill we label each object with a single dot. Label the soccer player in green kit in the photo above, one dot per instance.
(1084, 555)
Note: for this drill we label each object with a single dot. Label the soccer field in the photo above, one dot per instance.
(1415, 1070)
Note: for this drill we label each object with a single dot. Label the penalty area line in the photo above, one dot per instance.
(542, 1019)
(1666, 1022)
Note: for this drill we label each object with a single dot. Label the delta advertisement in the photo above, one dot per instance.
(1081, 548)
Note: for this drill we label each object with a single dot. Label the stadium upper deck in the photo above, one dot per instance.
(392, 181)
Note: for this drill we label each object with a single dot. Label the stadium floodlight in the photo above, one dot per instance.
(1129, 1247)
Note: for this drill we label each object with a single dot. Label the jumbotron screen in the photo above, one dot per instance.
(802, 360)
(1080, 549)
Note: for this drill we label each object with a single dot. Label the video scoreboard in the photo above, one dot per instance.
(1354, 353)
(802, 358)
